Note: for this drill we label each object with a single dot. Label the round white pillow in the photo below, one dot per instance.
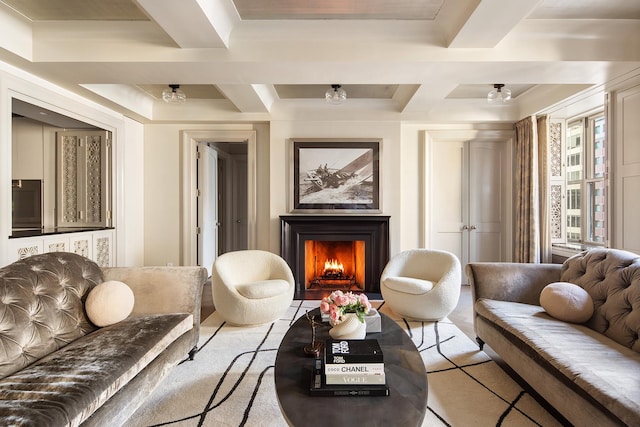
(109, 302)
(567, 301)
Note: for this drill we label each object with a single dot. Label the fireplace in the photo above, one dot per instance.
(328, 252)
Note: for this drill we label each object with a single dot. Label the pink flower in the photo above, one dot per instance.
(342, 300)
(364, 300)
(324, 306)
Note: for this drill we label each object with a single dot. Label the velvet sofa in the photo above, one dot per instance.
(589, 372)
(59, 369)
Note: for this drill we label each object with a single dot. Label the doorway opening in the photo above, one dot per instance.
(190, 203)
(221, 199)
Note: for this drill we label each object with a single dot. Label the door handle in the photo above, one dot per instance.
(473, 227)
(465, 227)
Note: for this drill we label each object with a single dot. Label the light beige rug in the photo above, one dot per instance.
(230, 382)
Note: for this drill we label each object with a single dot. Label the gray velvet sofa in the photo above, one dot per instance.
(589, 372)
(58, 369)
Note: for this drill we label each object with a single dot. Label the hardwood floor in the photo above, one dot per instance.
(207, 301)
(462, 316)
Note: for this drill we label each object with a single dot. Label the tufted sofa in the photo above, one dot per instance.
(58, 369)
(589, 372)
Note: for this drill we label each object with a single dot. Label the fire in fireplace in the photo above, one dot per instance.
(334, 265)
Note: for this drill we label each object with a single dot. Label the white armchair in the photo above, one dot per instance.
(422, 284)
(251, 287)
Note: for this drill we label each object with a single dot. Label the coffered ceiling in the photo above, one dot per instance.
(255, 60)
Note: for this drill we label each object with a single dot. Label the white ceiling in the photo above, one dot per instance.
(414, 59)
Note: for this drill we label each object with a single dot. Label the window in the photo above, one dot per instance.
(585, 186)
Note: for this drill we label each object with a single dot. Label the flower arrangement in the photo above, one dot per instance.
(339, 303)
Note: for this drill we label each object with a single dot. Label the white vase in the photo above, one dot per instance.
(351, 328)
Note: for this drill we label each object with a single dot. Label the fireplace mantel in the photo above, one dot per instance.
(372, 229)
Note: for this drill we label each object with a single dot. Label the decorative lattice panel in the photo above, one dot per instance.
(57, 247)
(555, 149)
(27, 251)
(102, 247)
(94, 179)
(556, 211)
(81, 247)
(70, 178)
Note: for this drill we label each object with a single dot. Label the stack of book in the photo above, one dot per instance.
(350, 368)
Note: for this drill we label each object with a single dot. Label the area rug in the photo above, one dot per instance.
(230, 382)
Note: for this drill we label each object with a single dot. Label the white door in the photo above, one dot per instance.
(207, 206)
(467, 199)
(448, 207)
(486, 201)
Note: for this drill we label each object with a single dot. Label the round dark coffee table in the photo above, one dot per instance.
(406, 377)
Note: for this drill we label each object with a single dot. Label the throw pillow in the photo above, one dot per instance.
(109, 302)
(567, 301)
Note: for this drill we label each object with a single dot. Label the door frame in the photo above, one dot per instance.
(189, 209)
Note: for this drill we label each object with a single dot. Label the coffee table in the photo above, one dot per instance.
(405, 373)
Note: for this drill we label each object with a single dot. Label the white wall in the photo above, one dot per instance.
(393, 175)
(129, 183)
(163, 182)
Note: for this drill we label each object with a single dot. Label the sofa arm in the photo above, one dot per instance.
(159, 290)
(515, 282)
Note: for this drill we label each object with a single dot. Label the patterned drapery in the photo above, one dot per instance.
(527, 219)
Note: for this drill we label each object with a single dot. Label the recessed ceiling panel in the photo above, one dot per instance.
(75, 10)
(192, 91)
(339, 9)
(354, 91)
(587, 9)
(481, 91)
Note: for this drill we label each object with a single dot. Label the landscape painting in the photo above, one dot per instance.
(336, 176)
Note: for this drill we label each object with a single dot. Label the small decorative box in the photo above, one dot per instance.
(374, 323)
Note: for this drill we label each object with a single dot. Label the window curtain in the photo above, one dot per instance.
(527, 215)
(543, 185)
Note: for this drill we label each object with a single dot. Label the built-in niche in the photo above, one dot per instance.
(71, 161)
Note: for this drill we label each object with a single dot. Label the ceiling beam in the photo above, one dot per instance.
(490, 22)
(194, 23)
(248, 98)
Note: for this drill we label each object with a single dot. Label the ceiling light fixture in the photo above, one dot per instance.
(336, 95)
(174, 95)
(499, 94)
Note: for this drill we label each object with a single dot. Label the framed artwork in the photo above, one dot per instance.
(335, 176)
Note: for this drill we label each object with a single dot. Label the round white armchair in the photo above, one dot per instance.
(422, 284)
(251, 287)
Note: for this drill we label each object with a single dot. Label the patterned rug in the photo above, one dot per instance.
(230, 382)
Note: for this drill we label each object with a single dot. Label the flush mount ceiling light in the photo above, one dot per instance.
(335, 95)
(174, 95)
(499, 94)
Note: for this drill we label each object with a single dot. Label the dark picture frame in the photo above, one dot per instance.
(335, 176)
